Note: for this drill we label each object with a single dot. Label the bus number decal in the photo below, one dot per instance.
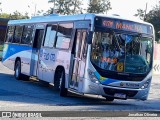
(50, 57)
(46, 56)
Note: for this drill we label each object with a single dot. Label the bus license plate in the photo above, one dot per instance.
(120, 95)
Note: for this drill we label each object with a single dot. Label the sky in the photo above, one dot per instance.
(120, 7)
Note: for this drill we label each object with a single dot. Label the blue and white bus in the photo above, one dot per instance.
(86, 53)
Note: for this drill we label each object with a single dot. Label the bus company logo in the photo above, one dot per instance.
(122, 84)
(6, 114)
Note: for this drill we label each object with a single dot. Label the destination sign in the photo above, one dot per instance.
(124, 25)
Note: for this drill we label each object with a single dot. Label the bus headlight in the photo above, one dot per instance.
(92, 77)
(146, 84)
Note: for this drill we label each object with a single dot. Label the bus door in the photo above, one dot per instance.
(78, 64)
(39, 33)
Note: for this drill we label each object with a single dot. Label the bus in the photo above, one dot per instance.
(94, 54)
(3, 27)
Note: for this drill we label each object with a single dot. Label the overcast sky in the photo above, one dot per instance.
(121, 7)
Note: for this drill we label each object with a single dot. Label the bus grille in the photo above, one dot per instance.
(111, 91)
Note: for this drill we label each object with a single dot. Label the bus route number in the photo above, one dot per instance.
(120, 67)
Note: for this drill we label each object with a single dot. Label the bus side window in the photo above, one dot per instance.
(10, 34)
(50, 36)
(64, 35)
(27, 35)
(17, 34)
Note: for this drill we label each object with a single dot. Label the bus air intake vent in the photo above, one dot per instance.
(111, 91)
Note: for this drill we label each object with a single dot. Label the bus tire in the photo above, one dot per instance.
(110, 99)
(63, 90)
(59, 82)
(17, 70)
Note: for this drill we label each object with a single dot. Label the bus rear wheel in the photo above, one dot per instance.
(17, 70)
(59, 83)
(18, 75)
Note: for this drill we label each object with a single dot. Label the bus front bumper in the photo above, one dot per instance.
(118, 92)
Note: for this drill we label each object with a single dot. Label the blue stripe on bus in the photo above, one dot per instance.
(103, 80)
(108, 81)
(11, 49)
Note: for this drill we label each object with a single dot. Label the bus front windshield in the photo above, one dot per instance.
(122, 52)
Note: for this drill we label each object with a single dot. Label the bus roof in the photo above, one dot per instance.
(61, 18)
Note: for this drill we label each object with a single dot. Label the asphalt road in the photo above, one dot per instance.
(17, 95)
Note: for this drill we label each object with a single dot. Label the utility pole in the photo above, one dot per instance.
(35, 9)
(145, 12)
(53, 10)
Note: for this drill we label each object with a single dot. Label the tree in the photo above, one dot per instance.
(140, 14)
(99, 6)
(15, 15)
(153, 16)
(18, 15)
(65, 7)
(40, 12)
(4, 15)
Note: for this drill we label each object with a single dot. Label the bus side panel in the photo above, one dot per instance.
(13, 51)
(46, 65)
(25, 61)
(6, 58)
(63, 58)
(49, 60)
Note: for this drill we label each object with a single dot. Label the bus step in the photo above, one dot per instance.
(34, 78)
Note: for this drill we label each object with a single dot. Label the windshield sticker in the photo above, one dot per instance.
(120, 67)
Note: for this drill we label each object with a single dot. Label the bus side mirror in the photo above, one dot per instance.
(89, 39)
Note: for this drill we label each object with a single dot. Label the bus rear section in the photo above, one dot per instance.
(120, 63)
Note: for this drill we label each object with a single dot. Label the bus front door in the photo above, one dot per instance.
(78, 62)
(39, 33)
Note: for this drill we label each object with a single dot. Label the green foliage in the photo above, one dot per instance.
(15, 15)
(4, 15)
(99, 6)
(153, 17)
(140, 14)
(65, 7)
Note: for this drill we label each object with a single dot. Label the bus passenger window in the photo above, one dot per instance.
(63, 42)
(27, 35)
(50, 36)
(64, 35)
(10, 34)
(17, 34)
